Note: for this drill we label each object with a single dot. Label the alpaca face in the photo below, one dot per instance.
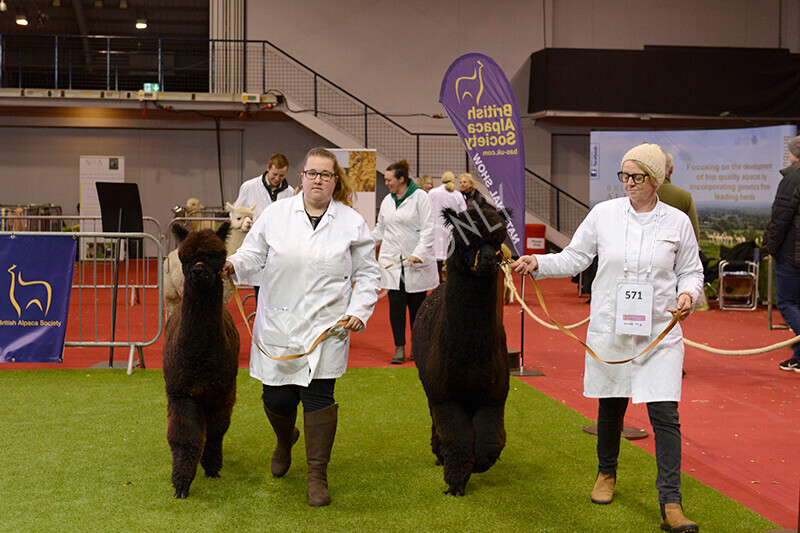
(202, 254)
(477, 236)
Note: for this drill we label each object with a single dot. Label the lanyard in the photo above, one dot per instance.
(652, 248)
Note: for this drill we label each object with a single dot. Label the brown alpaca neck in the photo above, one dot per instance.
(474, 294)
(202, 306)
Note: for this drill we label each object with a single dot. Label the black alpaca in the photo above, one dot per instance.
(201, 360)
(460, 351)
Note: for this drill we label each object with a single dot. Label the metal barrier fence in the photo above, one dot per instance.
(140, 284)
(192, 65)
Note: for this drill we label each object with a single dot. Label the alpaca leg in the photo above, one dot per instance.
(436, 444)
(218, 420)
(490, 436)
(457, 438)
(186, 430)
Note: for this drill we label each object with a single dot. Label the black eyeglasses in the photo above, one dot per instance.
(312, 175)
(637, 178)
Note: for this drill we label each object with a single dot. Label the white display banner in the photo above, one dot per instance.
(93, 169)
(735, 168)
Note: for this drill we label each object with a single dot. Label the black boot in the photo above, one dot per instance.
(399, 355)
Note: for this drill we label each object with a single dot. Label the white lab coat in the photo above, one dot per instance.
(405, 231)
(440, 198)
(311, 279)
(252, 192)
(655, 376)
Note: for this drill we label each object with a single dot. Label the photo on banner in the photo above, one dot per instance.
(732, 174)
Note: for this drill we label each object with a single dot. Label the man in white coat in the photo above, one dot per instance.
(444, 195)
(262, 191)
(648, 270)
(316, 259)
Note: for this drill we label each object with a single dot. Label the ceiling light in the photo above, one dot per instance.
(98, 4)
(141, 24)
(123, 4)
(56, 3)
(3, 6)
(22, 19)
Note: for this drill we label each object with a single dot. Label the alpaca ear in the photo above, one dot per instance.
(223, 230)
(228, 207)
(506, 213)
(180, 231)
(449, 215)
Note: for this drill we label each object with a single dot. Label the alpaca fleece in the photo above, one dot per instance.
(201, 352)
(460, 351)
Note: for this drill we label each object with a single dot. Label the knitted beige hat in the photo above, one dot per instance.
(650, 158)
(794, 146)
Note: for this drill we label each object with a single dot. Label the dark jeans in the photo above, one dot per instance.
(667, 431)
(787, 284)
(398, 301)
(283, 399)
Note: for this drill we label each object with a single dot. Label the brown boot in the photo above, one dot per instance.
(399, 355)
(320, 429)
(287, 435)
(603, 491)
(672, 519)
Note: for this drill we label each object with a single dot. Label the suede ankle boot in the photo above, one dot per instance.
(672, 519)
(287, 435)
(603, 491)
(399, 355)
(320, 430)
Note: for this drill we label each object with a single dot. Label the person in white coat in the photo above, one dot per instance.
(408, 267)
(316, 260)
(648, 270)
(262, 191)
(444, 195)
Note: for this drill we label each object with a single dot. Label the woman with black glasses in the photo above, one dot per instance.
(648, 271)
(316, 260)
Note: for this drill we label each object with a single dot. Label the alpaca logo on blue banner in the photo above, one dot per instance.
(36, 301)
(34, 296)
(463, 83)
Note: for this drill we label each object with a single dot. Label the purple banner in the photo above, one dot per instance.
(35, 284)
(479, 101)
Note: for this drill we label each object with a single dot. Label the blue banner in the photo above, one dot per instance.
(481, 105)
(35, 284)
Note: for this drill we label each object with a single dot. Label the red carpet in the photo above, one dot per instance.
(736, 413)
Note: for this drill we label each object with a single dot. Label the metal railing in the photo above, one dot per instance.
(225, 66)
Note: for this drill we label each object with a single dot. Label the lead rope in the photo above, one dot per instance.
(509, 282)
(285, 357)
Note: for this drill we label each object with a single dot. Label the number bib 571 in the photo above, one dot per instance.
(634, 308)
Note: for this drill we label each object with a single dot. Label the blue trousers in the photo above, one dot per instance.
(787, 284)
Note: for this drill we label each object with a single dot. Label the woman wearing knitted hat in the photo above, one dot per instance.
(648, 271)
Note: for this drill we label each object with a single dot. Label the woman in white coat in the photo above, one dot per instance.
(444, 195)
(319, 268)
(648, 270)
(405, 233)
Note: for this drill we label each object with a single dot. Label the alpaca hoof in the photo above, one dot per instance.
(439, 462)
(213, 475)
(455, 491)
(182, 492)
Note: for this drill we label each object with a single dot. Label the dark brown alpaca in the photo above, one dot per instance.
(460, 351)
(201, 351)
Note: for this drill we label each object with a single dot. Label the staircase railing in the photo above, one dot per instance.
(223, 66)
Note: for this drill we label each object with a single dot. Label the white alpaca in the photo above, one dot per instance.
(241, 222)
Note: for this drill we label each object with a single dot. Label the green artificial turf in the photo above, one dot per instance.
(86, 450)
